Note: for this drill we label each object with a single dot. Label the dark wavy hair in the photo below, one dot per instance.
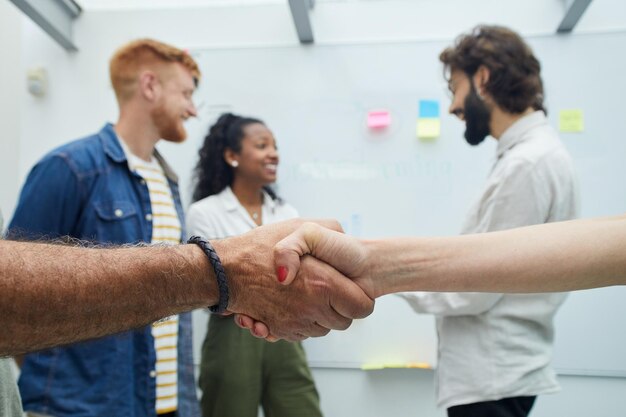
(514, 72)
(212, 174)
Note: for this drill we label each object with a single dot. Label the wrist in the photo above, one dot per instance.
(231, 262)
(401, 264)
(219, 278)
(204, 283)
(373, 282)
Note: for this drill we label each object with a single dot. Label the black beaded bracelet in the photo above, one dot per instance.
(220, 275)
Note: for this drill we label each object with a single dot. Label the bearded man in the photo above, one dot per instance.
(495, 349)
(113, 187)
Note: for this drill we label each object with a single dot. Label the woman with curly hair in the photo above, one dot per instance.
(238, 163)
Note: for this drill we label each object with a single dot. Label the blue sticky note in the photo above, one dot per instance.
(428, 108)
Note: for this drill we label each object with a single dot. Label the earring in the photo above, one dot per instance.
(234, 164)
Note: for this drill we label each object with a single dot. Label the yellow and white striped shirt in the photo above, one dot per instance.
(166, 228)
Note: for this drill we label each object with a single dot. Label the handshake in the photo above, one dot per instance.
(289, 280)
(297, 279)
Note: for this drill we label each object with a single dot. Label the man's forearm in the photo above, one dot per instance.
(552, 257)
(54, 294)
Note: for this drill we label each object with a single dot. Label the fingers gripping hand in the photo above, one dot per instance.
(320, 298)
(338, 300)
(344, 253)
(309, 305)
(344, 299)
(256, 328)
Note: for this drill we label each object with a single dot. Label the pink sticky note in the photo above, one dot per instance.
(378, 119)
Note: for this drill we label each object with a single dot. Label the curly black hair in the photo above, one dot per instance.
(514, 72)
(212, 174)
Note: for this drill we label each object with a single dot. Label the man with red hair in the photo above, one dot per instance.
(113, 187)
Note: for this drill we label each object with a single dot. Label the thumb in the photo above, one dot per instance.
(288, 251)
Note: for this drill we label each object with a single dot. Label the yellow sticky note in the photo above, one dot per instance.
(571, 121)
(372, 366)
(420, 365)
(428, 128)
(395, 365)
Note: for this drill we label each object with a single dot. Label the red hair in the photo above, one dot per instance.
(142, 54)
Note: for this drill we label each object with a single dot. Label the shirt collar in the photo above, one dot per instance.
(167, 169)
(117, 150)
(111, 144)
(128, 155)
(231, 202)
(516, 133)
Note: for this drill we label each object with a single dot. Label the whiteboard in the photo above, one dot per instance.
(385, 184)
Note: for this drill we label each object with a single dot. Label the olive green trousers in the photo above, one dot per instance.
(239, 372)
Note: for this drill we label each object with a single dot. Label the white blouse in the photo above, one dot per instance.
(222, 215)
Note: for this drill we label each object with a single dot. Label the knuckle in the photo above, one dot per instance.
(337, 226)
(310, 229)
(279, 249)
(346, 324)
(366, 310)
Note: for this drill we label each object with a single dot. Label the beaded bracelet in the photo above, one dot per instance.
(220, 275)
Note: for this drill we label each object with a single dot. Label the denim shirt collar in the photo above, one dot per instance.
(113, 149)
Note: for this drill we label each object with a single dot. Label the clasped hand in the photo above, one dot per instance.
(318, 282)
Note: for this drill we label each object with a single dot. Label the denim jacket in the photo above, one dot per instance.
(86, 190)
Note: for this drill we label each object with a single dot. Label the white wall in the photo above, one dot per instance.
(10, 83)
(410, 393)
(78, 79)
(79, 84)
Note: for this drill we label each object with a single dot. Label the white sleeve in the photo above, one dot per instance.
(450, 303)
(200, 223)
(519, 199)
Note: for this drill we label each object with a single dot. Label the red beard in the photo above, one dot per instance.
(170, 128)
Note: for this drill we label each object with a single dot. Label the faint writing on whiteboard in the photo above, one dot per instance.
(338, 171)
(360, 171)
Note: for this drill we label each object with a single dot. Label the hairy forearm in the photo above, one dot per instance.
(552, 257)
(54, 294)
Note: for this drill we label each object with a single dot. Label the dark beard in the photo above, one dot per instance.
(477, 117)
